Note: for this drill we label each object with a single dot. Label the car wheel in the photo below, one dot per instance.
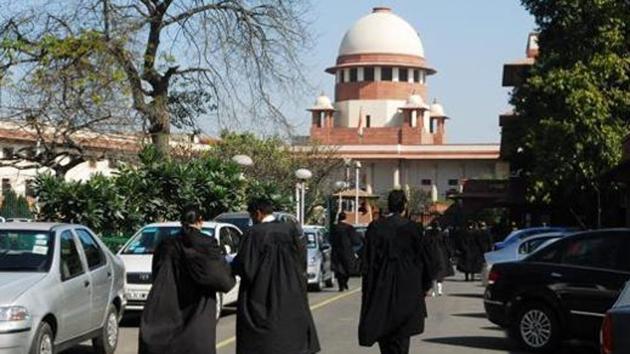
(536, 328)
(219, 306)
(43, 342)
(331, 282)
(108, 340)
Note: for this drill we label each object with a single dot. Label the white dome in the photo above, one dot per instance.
(437, 110)
(381, 32)
(415, 101)
(322, 103)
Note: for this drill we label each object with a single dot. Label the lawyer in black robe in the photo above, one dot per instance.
(396, 277)
(179, 316)
(273, 315)
(343, 238)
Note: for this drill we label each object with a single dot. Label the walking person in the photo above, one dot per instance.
(395, 280)
(273, 315)
(440, 249)
(180, 313)
(343, 239)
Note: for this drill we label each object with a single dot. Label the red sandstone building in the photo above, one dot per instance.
(381, 116)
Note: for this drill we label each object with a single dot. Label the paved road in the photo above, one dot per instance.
(456, 324)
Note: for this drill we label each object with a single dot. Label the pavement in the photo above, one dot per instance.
(456, 324)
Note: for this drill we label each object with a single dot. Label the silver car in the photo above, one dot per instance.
(59, 286)
(319, 265)
(517, 250)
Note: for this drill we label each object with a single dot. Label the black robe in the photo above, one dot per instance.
(273, 315)
(471, 252)
(440, 252)
(343, 238)
(396, 276)
(179, 316)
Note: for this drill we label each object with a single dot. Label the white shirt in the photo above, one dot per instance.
(268, 218)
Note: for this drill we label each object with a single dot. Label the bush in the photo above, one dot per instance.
(155, 190)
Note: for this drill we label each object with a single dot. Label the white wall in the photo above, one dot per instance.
(384, 113)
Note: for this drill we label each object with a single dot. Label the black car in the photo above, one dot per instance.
(561, 291)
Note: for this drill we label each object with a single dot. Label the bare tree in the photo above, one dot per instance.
(167, 61)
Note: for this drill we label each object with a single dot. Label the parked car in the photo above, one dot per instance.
(523, 233)
(59, 286)
(137, 254)
(561, 291)
(18, 220)
(614, 337)
(242, 220)
(515, 251)
(319, 265)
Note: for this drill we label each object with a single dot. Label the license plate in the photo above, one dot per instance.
(137, 295)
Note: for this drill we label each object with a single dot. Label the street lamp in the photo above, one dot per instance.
(300, 192)
(243, 160)
(357, 170)
(340, 186)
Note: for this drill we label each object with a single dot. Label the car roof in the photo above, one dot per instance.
(33, 226)
(244, 214)
(545, 235)
(211, 224)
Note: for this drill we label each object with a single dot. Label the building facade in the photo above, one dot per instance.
(381, 116)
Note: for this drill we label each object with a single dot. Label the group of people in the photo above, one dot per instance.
(398, 267)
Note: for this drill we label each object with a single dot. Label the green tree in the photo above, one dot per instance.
(14, 206)
(167, 61)
(275, 163)
(576, 102)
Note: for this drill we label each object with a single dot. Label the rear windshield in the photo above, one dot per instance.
(25, 250)
(149, 238)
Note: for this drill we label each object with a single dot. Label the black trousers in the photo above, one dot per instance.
(342, 280)
(394, 345)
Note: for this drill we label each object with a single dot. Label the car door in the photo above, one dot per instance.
(76, 301)
(100, 275)
(589, 279)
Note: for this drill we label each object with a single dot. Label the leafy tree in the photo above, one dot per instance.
(155, 190)
(14, 206)
(576, 102)
(275, 163)
(167, 61)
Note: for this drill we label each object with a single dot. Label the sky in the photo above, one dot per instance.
(467, 41)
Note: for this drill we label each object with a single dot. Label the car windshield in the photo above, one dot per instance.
(149, 238)
(25, 250)
(311, 239)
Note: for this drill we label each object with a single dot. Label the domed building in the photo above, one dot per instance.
(381, 117)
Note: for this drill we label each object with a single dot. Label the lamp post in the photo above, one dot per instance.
(340, 186)
(303, 175)
(357, 170)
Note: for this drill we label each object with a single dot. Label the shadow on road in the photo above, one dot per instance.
(478, 342)
(466, 295)
(471, 315)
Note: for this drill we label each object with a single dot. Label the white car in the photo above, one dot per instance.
(59, 286)
(319, 266)
(137, 254)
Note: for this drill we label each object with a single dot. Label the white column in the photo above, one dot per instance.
(360, 74)
(338, 76)
(369, 177)
(397, 176)
(377, 73)
(409, 75)
(346, 75)
(395, 76)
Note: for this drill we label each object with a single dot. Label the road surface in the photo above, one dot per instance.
(456, 324)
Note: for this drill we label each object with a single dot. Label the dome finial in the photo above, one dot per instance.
(381, 9)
